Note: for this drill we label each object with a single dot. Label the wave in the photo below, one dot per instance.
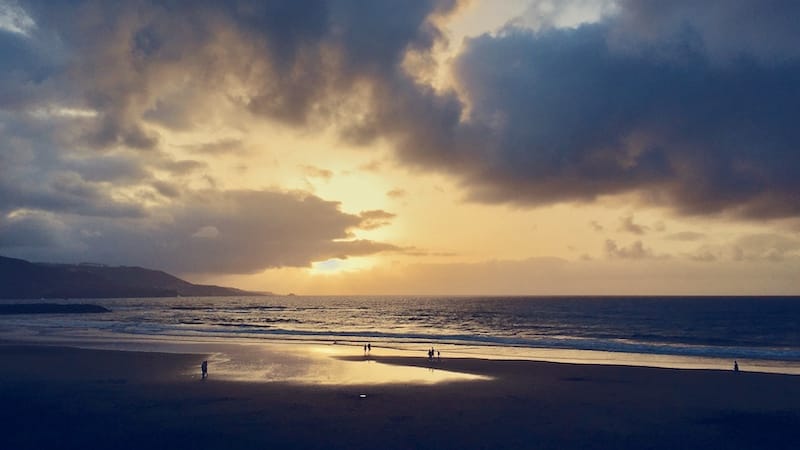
(554, 342)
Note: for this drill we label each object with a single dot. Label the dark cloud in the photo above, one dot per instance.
(165, 188)
(108, 168)
(211, 232)
(726, 29)
(572, 115)
(67, 193)
(569, 118)
(178, 167)
(22, 231)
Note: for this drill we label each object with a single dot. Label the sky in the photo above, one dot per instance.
(426, 147)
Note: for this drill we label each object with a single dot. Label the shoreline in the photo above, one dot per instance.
(61, 397)
(767, 346)
(179, 343)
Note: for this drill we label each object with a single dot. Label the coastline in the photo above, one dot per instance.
(687, 332)
(63, 397)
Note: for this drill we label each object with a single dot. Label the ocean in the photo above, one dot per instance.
(701, 332)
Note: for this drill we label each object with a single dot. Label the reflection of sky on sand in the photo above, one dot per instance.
(247, 358)
(318, 364)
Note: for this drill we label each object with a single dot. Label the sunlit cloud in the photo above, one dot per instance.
(214, 139)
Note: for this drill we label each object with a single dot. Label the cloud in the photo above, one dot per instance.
(627, 225)
(570, 115)
(704, 254)
(26, 230)
(396, 193)
(316, 172)
(596, 226)
(565, 116)
(14, 19)
(636, 250)
(765, 247)
(207, 231)
(64, 193)
(687, 105)
(375, 219)
(544, 14)
(725, 29)
(220, 146)
(372, 166)
(686, 236)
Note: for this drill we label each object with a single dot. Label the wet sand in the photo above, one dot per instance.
(55, 397)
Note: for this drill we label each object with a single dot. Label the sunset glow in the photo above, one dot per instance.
(436, 147)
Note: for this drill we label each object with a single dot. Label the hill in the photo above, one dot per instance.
(22, 279)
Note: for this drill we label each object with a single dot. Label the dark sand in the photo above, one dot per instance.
(84, 399)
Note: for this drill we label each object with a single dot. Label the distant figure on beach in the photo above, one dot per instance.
(735, 366)
(204, 369)
(365, 349)
(439, 355)
(369, 347)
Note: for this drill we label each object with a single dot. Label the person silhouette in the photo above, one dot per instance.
(439, 355)
(735, 366)
(369, 347)
(204, 369)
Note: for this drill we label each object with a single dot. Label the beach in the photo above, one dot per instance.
(60, 397)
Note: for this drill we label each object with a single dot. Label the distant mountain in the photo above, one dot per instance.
(22, 279)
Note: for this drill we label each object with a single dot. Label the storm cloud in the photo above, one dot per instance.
(571, 115)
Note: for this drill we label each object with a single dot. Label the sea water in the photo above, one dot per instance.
(763, 333)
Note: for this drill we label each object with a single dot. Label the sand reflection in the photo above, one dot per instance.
(320, 364)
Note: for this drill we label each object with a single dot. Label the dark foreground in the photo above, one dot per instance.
(58, 398)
